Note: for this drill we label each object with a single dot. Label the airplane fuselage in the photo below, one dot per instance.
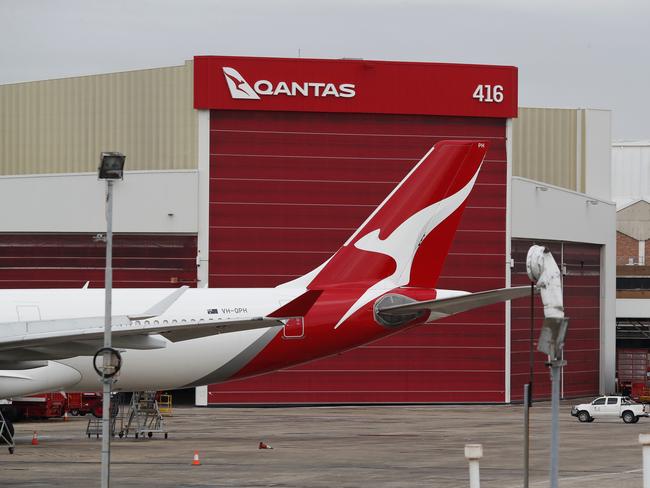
(199, 361)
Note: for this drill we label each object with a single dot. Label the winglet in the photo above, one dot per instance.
(160, 307)
(298, 307)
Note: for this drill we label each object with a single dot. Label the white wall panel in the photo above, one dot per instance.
(559, 214)
(562, 215)
(597, 145)
(75, 203)
(632, 308)
(630, 172)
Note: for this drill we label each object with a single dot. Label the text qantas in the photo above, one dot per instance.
(242, 90)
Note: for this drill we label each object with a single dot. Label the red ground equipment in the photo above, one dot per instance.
(83, 403)
(43, 406)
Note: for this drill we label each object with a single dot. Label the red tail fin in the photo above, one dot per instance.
(406, 239)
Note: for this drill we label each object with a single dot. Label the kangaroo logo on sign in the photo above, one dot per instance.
(238, 86)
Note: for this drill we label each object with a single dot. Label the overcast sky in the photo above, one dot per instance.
(570, 53)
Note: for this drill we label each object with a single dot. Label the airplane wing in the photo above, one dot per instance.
(444, 307)
(24, 344)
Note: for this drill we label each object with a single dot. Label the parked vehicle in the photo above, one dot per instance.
(83, 403)
(611, 407)
(43, 406)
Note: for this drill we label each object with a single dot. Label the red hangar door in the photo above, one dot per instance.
(42, 260)
(580, 265)
(292, 178)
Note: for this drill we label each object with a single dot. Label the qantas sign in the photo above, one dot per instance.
(240, 89)
(354, 86)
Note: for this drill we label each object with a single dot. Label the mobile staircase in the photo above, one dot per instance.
(116, 422)
(144, 417)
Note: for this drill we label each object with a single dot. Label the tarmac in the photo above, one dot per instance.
(360, 446)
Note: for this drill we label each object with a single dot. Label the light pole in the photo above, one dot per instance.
(544, 272)
(111, 168)
(551, 342)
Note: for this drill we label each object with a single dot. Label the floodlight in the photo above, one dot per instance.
(111, 166)
(552, 335)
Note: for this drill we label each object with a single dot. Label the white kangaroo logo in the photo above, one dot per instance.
(238, 86)
(402, 244)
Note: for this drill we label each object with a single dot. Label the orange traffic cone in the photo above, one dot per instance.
(196, 461)
(264, 446)
(35, 439)
(65, 416)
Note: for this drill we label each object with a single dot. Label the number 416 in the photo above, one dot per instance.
(488, 93)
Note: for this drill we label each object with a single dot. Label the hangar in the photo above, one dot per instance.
(248, 172)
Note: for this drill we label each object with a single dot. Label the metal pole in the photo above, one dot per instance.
(555, 417)
(644, 440)
(528, 389)
(107, 381)
(474, 452)
(531, 354)
(526, 435)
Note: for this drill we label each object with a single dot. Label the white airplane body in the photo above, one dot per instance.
(177, 364)
(381, 281)
(169, 367)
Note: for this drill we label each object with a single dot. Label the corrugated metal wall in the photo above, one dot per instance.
(36, 260)
(545, 146)
(61, 126)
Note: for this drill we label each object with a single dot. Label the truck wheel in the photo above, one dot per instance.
(583, 416)
(74, 412)
(628, 417)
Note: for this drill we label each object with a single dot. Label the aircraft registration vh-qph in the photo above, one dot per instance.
(382, 280)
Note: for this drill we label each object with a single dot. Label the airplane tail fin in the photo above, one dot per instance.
(405, 240)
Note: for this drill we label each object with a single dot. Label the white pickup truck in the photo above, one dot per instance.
(611, 407)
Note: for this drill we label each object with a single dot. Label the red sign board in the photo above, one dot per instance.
(324, 85)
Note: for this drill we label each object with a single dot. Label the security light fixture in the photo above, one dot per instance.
(541, 188)
(111, 166)
(592, 202)
(552, 336)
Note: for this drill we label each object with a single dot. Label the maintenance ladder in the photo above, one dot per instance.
(144, 417)
(116, 420)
